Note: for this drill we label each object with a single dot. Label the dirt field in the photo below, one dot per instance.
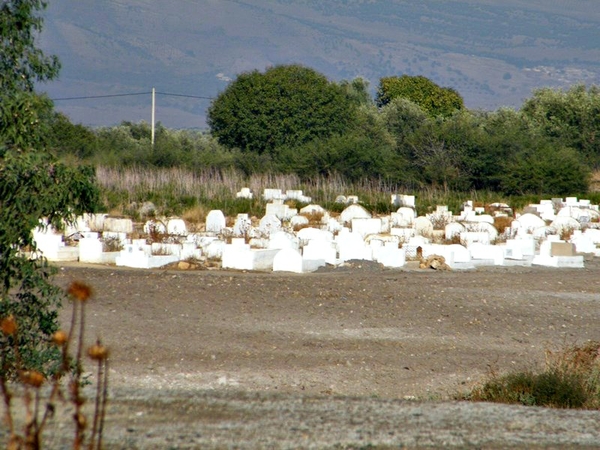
(343, 358)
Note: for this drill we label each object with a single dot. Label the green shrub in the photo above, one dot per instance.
(552, 388)
(571, 379)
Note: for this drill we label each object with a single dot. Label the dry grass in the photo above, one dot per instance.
(181, 181)
(314, 218)
(595, 181)
(196, 215)
(566, 233)
(177, 190)
(502, 223)
(215, 184)
(571, 379)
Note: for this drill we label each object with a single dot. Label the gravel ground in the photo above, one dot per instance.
(354, 357)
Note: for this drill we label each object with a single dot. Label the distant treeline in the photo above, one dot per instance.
(550, 146)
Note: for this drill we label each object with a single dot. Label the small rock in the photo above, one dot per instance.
(435, 262)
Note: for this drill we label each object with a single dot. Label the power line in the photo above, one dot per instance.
(87, 97)
(100, 96)
(183, 95)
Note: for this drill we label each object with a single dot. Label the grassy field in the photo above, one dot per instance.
(183, 192)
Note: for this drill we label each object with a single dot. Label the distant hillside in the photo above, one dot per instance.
(494, 53)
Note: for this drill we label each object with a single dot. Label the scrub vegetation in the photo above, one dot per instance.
(571, 379)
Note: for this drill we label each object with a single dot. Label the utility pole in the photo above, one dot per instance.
(153, 108)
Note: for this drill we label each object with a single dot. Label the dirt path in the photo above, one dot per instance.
(350, 356)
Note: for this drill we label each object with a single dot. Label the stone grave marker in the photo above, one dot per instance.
(288, 260)
(269, 224)
(354, 212)
(562, 249)
(404, 217)
(453, 230)
(296, 194)
(313, 209)
(485, 253)
(282, 239)
(351, 245)
(176, 227)
(279, 209)
(565, 224)
(245, 193)
(299, 221)
(390, 255)
(528, 222)
(403, 234)
(215, 221)
(273, 194)
(314, 234)
(242, 225)
(90, 248)
(365, 227)
(118, 225)
(154, 227)
(317, 249)
(423, 226)
(403, 200)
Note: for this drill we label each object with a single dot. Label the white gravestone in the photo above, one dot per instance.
(354, 212)
(215, 221)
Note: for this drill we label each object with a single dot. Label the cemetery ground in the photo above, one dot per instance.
(346, 357)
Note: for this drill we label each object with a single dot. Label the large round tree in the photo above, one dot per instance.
(287, 105)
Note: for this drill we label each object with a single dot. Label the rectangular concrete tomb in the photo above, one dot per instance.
(238, 255)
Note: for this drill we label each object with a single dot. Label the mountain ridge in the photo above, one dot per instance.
(493, 54)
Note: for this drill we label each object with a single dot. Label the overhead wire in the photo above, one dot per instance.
(100, 96)
(183, 95)
(87, 97)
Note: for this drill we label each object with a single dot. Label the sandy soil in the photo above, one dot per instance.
(352, 357)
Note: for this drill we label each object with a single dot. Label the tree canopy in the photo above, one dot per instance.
(33, 186)
(291, 119)
(287, 105)
(570, 117)
(21, 62)
(435, 100)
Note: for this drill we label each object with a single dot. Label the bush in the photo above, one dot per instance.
(552, 388)
(33, 186)
(571, 380)
(546, 170)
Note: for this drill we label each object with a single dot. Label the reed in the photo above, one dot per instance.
(177, 190)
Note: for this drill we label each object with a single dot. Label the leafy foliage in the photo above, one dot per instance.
(402, 118)
(544, 389)
(571, 379)
(22, 124)
(287, 105)
(33, 185)
(545, 170)
(66, 138)
(436, 100)
(571, 118)
(546, 148)
(358, 91)
(366, 152)
(21, 62)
